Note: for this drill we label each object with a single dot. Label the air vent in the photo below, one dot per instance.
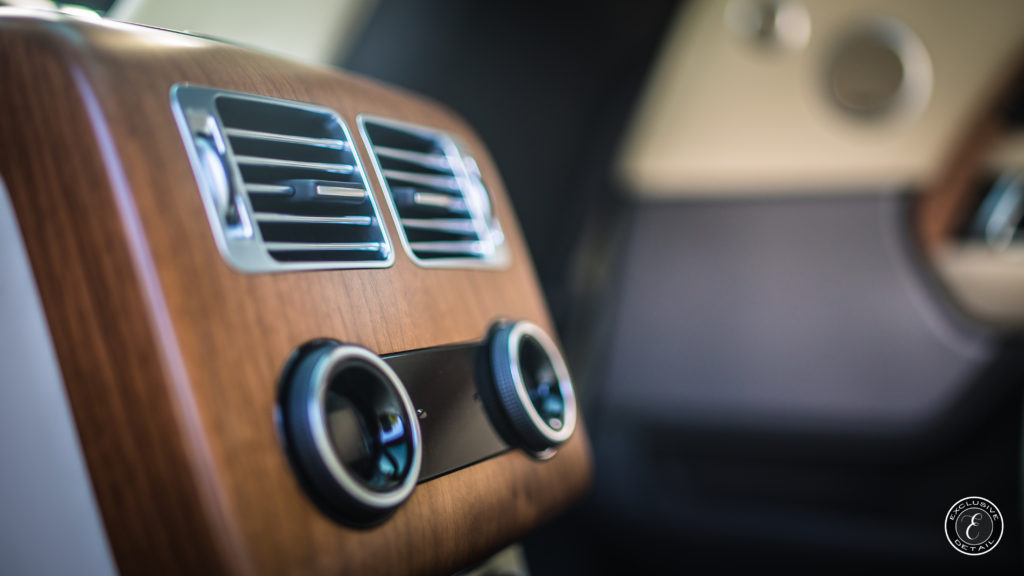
(436, 194)
(283, 186)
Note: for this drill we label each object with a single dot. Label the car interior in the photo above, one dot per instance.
(387, 287)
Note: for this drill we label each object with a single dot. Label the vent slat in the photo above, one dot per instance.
(325, 246)
(440, 182)
(301, 219)
(262, 162)
(286, 138)
(449, 225)
(467, 247)
(437, 162)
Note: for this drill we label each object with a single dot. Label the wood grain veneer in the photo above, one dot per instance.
(171, 358)
(945, 203)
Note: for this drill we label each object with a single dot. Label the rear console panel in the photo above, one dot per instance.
(172, 358)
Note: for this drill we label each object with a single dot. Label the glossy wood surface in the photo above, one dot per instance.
(171, 358)
(945, 203)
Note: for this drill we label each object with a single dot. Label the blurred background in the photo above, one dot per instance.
(780, 240)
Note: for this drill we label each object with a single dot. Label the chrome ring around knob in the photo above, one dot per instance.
(351, 430)
(532, 387)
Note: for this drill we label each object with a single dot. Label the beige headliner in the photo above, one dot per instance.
(723, 117)
(318, 31)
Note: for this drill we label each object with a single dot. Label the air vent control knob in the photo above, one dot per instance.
(210, 150)
(529, 394)
(351, 431)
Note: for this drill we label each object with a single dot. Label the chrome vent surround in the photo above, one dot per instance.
(435, 192)
(283, 186)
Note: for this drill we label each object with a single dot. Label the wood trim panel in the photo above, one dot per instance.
(945, 203)
(171, 358)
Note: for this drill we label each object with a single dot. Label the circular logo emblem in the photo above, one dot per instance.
(974, 526)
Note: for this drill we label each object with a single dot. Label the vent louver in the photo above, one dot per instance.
(284, 188)
(436, 195)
